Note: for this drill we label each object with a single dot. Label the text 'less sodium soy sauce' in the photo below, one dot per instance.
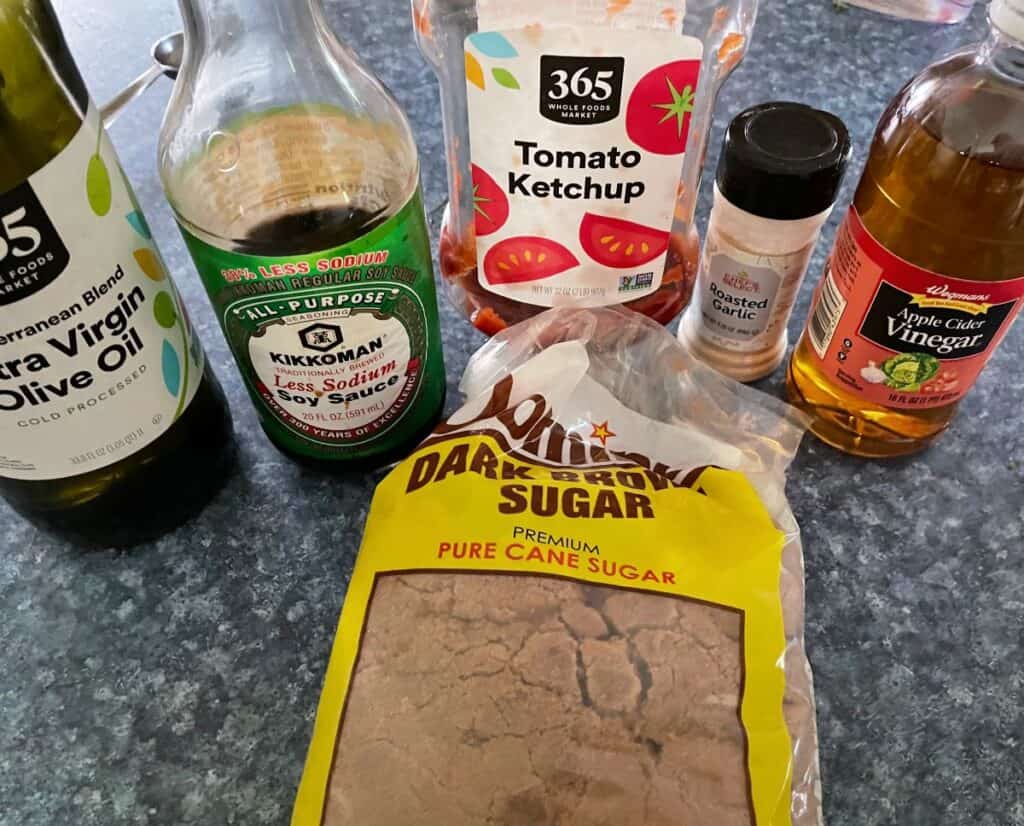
(306, 224)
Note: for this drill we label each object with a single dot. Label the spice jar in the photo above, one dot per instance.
(781, 167)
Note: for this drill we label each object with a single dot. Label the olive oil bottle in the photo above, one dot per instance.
(112, 427)
(294, 177)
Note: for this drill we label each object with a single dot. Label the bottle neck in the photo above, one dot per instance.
(43, 100)
(217, 25)
(1004, 48)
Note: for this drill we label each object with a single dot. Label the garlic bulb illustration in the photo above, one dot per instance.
(872, 374)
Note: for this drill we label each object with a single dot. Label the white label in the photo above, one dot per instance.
(746, 299)
(97, 357)
(339, 371)
(826, 316)
(578, 134)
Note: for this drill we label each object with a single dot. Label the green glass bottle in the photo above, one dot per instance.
(113, 429)
(295, 180)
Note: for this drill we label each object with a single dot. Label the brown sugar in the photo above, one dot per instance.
(531, 701)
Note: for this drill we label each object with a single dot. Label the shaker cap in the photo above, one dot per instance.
(1008, 17)
(783, 160)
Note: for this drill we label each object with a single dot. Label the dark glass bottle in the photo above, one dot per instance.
(113, 429)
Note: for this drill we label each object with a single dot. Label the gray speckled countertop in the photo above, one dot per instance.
(176, 684)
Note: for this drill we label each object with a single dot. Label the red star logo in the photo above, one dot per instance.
(602, 432)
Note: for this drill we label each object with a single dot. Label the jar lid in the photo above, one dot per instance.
(783, 160)
(1008, 16)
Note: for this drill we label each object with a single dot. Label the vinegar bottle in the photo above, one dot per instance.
(294, 177)
(113, 428)
(927, 274)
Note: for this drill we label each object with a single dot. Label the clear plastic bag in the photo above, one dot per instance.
(580, 600)
(734, 426)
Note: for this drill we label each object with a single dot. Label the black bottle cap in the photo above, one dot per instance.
(783, 160)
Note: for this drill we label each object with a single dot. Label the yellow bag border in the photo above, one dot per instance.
(755, 595)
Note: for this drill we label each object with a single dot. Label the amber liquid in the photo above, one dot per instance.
(943, 189)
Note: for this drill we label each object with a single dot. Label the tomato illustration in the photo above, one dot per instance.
(946, 382)
(491, 313)
(661, 106)
(490, 205)
(526, 258)
(613, 242)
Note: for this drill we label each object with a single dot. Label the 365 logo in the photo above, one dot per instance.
(32, 253)
(581, 90)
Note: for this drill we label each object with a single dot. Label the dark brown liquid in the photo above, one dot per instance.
(302, 233)
(314, 231)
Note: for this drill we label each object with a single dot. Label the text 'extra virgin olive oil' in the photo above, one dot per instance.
(112, 427)
(927, 274)
(296, 186)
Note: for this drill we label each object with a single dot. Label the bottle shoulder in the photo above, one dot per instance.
(43, 100)
(943, 186)
(964, 102)
(233, 158)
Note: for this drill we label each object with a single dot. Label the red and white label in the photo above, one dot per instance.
(899, 335)
(578, 135)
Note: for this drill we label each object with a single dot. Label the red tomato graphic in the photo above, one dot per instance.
(490, 205)
(526, 258)
(661, 106)
(613, 242)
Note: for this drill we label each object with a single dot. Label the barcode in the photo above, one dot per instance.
(826, 316)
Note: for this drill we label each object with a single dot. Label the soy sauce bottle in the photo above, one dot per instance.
(113, 428)
(295, 181)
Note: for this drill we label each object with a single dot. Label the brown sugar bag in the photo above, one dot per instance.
(579, 602)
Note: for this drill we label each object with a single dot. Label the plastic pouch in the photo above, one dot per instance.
(575, 135)
(580, 600)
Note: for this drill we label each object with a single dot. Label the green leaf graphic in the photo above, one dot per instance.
(505, 78)
(164, 310)
(478, 200)
(97, 186)
(679, 108)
